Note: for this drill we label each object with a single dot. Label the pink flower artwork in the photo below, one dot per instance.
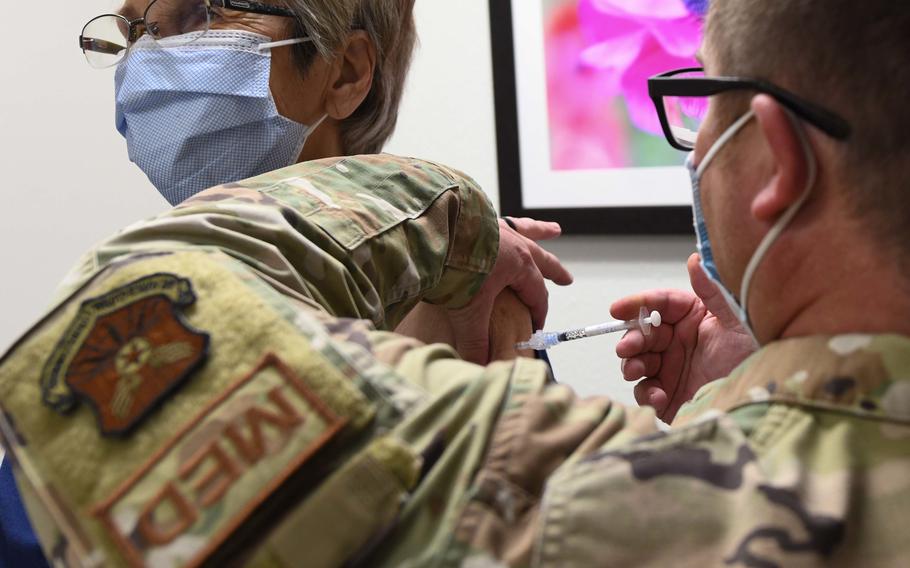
(583, 122)
(600, 54)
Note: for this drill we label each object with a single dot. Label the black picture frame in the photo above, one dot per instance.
(657, 220)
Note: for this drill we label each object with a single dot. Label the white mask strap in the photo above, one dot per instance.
(774, 233)
(273, 44)
(722, 141)
(315, 125)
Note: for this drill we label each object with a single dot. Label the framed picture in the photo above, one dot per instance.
(578, 138)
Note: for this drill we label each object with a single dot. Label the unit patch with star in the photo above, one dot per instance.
(125, 352)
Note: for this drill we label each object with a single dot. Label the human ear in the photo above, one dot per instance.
(790, 167)
(352, 75)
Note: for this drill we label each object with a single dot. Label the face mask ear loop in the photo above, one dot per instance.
(722, 141)
(306, 136)
(784, 221)
(698, 173)
(312, 129)
(268, 46)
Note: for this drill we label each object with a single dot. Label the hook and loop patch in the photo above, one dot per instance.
(125, 352)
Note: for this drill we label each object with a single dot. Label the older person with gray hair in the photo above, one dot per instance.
(215, 91)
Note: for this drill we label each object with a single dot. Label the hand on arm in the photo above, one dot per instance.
(699, 341)
(510, 323)
(522, 266)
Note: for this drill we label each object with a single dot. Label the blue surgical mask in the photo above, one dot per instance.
(202, 114)
(708, 264)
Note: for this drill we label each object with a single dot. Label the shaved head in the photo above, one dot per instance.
(850, 56)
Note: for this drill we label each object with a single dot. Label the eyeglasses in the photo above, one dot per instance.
(680, 99)
(106, 39)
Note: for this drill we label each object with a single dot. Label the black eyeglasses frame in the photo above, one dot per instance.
(669, 85)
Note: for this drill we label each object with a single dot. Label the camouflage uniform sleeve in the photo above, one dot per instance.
(178, 409)
(566, 482)
(492, 440)
(197, 399)
(364, 237)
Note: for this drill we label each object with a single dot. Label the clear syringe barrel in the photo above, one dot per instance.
(644, 322)
(543, 340)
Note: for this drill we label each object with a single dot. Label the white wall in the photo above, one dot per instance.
(67, 183)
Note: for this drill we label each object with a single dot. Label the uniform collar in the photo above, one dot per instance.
(867, 375)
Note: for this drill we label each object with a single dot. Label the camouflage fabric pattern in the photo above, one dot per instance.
(74, 471)
(363, 237)
(800, 457)
(442, 218)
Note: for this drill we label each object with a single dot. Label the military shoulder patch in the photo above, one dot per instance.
(192, 495)
(125, 352)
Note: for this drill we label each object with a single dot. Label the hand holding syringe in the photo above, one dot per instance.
(543, 340)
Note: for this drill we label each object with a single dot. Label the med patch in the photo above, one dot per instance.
(198, 490)
(125, 352)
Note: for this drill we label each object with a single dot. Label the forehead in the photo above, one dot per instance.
(133, 9)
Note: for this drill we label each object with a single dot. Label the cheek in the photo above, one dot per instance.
(725, 209)
(707, 135)
(713, 202)
(296, 97)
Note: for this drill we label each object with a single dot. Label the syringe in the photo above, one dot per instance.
(543, 340)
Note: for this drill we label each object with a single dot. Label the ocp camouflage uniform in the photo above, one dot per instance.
(214, 387)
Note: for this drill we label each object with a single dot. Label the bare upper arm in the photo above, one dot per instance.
(509, 324)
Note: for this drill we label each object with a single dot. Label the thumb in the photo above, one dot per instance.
(709, 294)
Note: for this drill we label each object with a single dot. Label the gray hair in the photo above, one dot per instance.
(390, 25)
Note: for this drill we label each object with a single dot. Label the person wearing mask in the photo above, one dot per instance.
(209, 92)
(196, 400)
(214, 91)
